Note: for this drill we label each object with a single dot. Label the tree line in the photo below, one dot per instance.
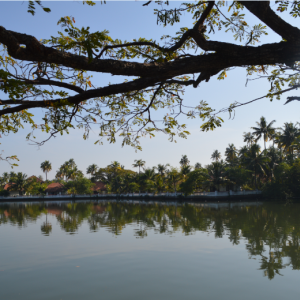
(275, 169)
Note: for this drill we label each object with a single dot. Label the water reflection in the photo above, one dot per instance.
(271, 231)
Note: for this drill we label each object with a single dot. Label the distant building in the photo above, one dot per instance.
(9, 187)
(99, 187)
(55, 188)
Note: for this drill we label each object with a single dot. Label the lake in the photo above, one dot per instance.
(138, 250)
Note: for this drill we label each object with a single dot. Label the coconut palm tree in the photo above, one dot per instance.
(74, 174)
(248, 138)
(19, 182)
(264, 130)
(243, 152)
(67, 170)
(184, 161)
(274, 159)
(92, 169)
(71, 163)
(46, 167)
(174, 177)
(256, 161)
(138, 163)
(197, 166)
(148, 179)
(5, 177)
(185, 170)
(162, 169)
(216, 155)
(216, 175)
(230, 153)
(287, 139)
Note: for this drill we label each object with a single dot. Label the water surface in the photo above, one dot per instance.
(131, 250)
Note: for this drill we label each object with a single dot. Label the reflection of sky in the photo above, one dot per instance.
(218, 93)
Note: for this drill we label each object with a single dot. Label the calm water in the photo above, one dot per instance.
(113, 250)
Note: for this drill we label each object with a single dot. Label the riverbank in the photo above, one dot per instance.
(198, 197)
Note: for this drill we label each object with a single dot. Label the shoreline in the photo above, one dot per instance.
(166, 198)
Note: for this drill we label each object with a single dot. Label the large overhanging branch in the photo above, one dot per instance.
(167, 68)
(113, 89)
(226, 55)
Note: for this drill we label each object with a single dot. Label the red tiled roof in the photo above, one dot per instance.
(7, 186)
(99, 186)
(55, 187)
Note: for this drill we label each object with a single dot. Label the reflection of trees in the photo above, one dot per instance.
(21, 214)
(271, 232)
(73, 216)
(46, 227)
(272, 265)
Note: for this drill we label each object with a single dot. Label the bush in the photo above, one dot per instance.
(4, 193)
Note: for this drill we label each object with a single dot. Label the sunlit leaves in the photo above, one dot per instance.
(144, 111)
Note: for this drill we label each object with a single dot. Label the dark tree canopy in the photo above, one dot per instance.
(56, 73)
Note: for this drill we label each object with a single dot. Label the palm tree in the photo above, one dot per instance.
(148, 178)
(264, 130)
(288, 138)
(19, 182)
(185, 170)
(174, 177)
(216, 155)
(184, 161)
(5, 177)
(230, 153)
(138, 163)
(46, 167)
(248, 138)
(71, 163)
(243, 152)
(216, 175)
(162, 169)
(197, 166)
(74, 174)
(92, 169)
(256, 161)
(274, 156)
(67, 170)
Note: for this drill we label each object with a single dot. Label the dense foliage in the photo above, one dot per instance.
(274, 170)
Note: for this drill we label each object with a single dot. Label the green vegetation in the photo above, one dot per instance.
(274, 170)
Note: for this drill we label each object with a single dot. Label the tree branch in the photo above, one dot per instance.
(262, 10)
(113, 89)
(199, 24)
(42, 81)
(229, 55)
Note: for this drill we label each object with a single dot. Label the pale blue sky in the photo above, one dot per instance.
(129, 20)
